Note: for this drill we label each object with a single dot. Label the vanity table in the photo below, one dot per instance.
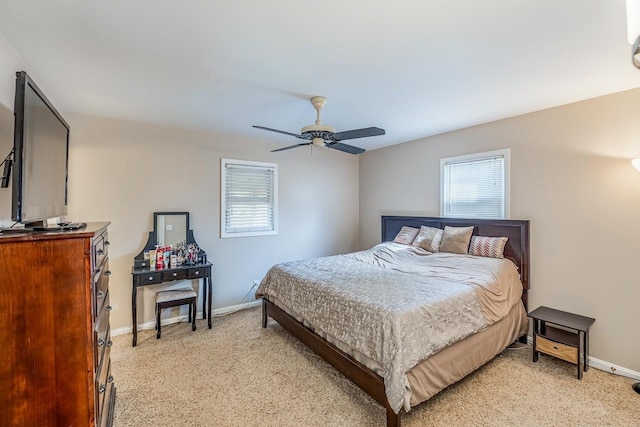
(170, 228)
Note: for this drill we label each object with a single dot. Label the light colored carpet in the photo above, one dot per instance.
(238, 374)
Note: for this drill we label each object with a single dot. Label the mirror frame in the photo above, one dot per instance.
(187, 232)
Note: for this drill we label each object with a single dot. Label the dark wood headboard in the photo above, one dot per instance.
(516, 249)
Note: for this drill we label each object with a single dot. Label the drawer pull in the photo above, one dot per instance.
(100, 252)
(108, 272)
(555, 347)
(197, 272)
(100, 295)
(150, 277)
(109, 308)
(110, 343)
(102, 388)
(100, 342)
(106, 243)
(175, 274)
(110, 379)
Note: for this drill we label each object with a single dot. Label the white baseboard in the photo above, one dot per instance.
(216, 312)
(603, 365)
(613, 369)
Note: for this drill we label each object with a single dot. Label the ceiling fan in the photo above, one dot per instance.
(320, 135)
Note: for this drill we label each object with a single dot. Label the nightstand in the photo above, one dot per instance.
(567, 337)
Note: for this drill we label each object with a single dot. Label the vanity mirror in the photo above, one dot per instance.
(170, 228)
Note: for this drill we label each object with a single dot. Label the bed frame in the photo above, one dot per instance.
(517, 250)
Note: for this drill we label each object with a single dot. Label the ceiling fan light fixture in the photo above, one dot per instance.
(317, 142)
(317, 128)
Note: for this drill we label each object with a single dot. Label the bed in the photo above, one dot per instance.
(405, 350)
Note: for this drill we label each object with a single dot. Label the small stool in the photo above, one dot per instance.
(174, 298)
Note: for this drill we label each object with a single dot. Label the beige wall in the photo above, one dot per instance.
(123, 172)
(571, 177)
(10, 62)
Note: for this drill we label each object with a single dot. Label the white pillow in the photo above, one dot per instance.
(406, 235)
(429, 238)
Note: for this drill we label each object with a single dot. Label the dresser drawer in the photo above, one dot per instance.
(104, 389)
(168, 276)
(108, 404)
(100, 288)
(104, 351)
(100, 250)
(101, 335)
(556, 349)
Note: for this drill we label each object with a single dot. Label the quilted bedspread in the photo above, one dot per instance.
(387, 303)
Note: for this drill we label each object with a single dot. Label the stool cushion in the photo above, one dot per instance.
(175, 294)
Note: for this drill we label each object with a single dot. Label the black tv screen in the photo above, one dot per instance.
(41, 151)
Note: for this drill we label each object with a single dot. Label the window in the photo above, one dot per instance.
(475, 185)
(249, 198)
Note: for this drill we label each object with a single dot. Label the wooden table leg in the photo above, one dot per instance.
(536, 330)
(204, 297)
(210, 286)
(586, 350)
(580, 343)
(264, 313)
(134, 313)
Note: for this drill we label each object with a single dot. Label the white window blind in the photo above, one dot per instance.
(249, 198)
(475, 186)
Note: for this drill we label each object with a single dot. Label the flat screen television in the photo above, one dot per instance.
(41, 152)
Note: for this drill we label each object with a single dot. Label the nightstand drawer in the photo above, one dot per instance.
(561, 351)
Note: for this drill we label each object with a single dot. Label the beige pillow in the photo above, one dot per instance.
(406, 235)
(429, 238)
(456, 239)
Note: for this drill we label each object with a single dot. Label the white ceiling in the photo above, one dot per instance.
(413, 67)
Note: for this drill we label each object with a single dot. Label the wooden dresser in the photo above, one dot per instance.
(55, 341)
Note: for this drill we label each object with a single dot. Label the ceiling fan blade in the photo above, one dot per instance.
(346, 148)
(291, 146)
(358, 133)
(279, 131)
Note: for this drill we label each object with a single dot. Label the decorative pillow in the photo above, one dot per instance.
(429, 238)
(406, 235)
(488, 246)
(456, 239)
